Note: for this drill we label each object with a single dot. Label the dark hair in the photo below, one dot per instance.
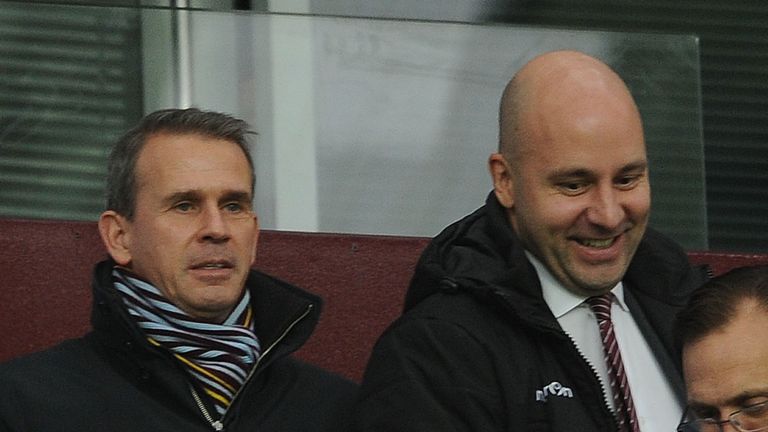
(121, 171)
(714, 305)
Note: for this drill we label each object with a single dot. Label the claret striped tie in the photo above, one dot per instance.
(622, 396)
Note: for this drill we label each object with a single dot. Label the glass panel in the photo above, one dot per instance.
(385, 126)
(380, 126)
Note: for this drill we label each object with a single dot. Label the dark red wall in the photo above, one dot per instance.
(45, 270)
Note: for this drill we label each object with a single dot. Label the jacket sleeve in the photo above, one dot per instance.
(13, 412)
(429, 375)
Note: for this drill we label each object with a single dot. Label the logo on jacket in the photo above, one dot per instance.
(553, 389)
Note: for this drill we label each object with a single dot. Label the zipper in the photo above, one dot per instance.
(269, 349)
(558, 332)
(606, 402)
(218, 425)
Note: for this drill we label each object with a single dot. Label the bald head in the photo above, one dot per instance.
(572, 170)
(556, 90)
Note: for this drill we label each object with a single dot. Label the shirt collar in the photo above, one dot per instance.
(560, 299)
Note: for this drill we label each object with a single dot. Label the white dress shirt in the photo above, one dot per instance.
(655, 402)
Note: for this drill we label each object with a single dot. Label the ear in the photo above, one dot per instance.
(501, 175)
(255, 238)
(115, 233)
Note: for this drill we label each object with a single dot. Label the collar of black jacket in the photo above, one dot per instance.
(482, 255)
(281, 311)
(479, 253)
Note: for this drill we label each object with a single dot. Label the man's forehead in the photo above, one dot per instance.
(746, 327)
(192, 163)
(729, 365)
(587, 156)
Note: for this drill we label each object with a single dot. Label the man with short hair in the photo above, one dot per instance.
(542, 309)
(724, 335)
(186, 336)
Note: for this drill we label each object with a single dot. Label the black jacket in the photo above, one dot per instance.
(477, 347)
(112, 379)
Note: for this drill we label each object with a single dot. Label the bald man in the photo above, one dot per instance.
(499, 331)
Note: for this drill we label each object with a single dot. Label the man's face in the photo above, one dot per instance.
(580, 193)
(727, 370)
(194, 234)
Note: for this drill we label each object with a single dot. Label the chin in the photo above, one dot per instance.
(591, 283)
(600, 286)
(217, 300)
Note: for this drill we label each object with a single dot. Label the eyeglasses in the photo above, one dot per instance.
(749, 419)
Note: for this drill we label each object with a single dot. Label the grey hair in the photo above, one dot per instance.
(121, 172)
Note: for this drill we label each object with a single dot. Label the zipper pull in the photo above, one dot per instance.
(218, 426)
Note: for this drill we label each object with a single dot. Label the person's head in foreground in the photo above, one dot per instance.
(724, 335)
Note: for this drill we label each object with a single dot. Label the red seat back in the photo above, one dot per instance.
(46, 269)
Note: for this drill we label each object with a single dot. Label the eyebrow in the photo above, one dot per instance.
(188, 195)
(196, 196)
(239, 196)
(736, 400)
(640, 165)
(746, 395)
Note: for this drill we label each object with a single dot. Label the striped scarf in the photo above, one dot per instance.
(218, 356)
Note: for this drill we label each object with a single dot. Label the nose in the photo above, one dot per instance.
(214, 226)
(727, 426)
(606, 209)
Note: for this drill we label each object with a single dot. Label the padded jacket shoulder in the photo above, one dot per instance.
(113, 380)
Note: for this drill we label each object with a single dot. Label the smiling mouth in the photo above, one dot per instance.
(597, 243)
